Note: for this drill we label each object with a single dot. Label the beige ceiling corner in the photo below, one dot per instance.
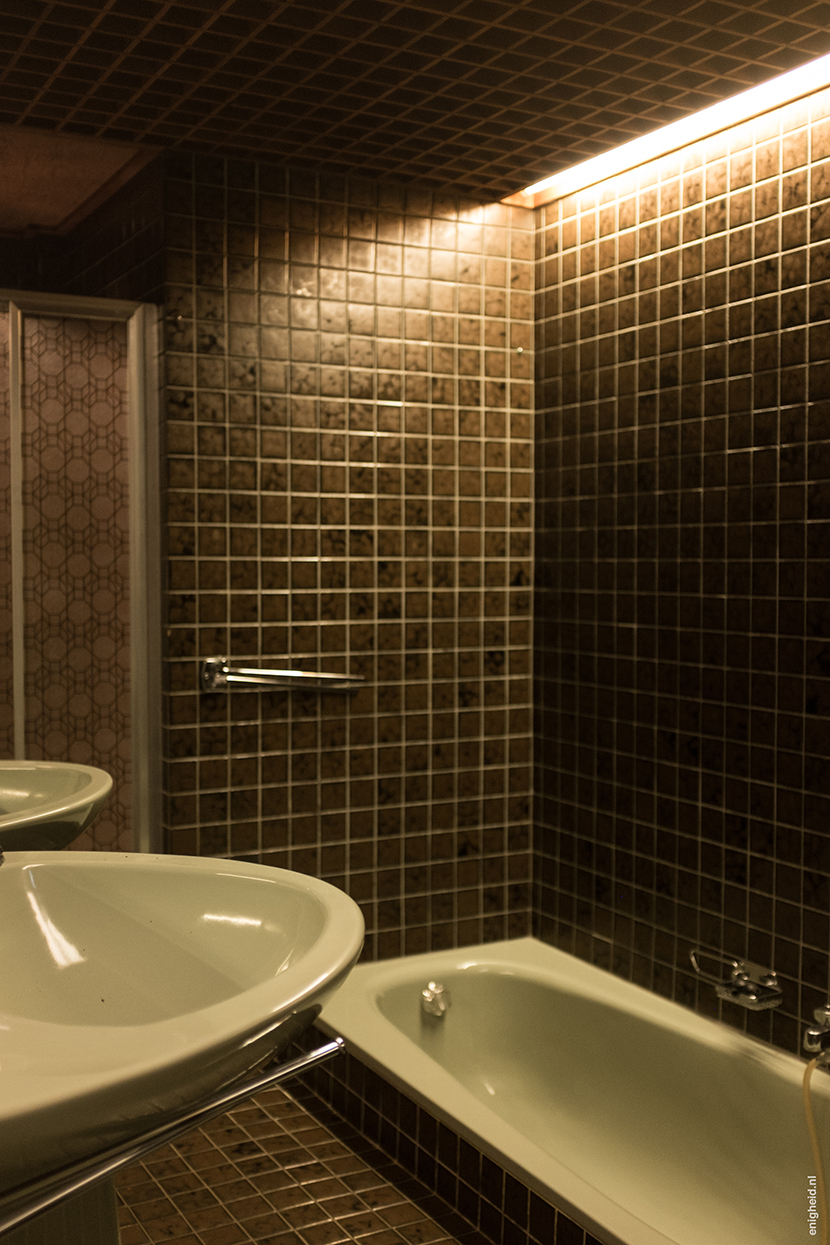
(49, 181)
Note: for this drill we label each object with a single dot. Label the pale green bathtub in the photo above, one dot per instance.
(644, 1122)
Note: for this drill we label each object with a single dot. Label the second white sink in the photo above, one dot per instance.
(44, 805)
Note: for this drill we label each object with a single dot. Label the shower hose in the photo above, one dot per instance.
(821, 1193)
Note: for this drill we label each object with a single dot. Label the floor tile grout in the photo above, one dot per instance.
(273, 1173)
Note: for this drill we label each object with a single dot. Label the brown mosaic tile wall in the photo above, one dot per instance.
(30, 263)
(116, 252)
(682, 533)
(349, 458)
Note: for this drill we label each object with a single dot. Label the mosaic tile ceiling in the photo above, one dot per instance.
(480, 96)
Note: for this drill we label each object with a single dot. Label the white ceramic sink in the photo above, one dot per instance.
(133, 986)
(46, 804)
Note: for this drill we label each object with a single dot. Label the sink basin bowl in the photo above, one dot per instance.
(44, 805)
(134, 986)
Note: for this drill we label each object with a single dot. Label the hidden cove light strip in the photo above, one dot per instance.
(784, 89)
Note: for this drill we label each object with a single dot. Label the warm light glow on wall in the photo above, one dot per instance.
(759, 99)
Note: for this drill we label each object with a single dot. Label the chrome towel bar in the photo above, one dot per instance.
(216, 675)
(19, 1205)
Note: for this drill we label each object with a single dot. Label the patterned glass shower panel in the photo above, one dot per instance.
(6, 675)
(76, 555)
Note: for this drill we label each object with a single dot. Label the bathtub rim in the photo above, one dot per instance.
(354, 1014)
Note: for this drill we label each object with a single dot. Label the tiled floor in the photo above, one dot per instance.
(271, 1172)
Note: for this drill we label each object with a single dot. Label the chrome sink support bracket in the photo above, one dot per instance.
(216, 675)
(22, 1203)
(747, 984)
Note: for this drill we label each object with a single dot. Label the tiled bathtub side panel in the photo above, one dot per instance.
(349, 489)
(501, 1207)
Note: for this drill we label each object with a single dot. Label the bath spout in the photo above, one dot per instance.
(435, 999)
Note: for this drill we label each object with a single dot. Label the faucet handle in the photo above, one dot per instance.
(718, 958)
(748, 984)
